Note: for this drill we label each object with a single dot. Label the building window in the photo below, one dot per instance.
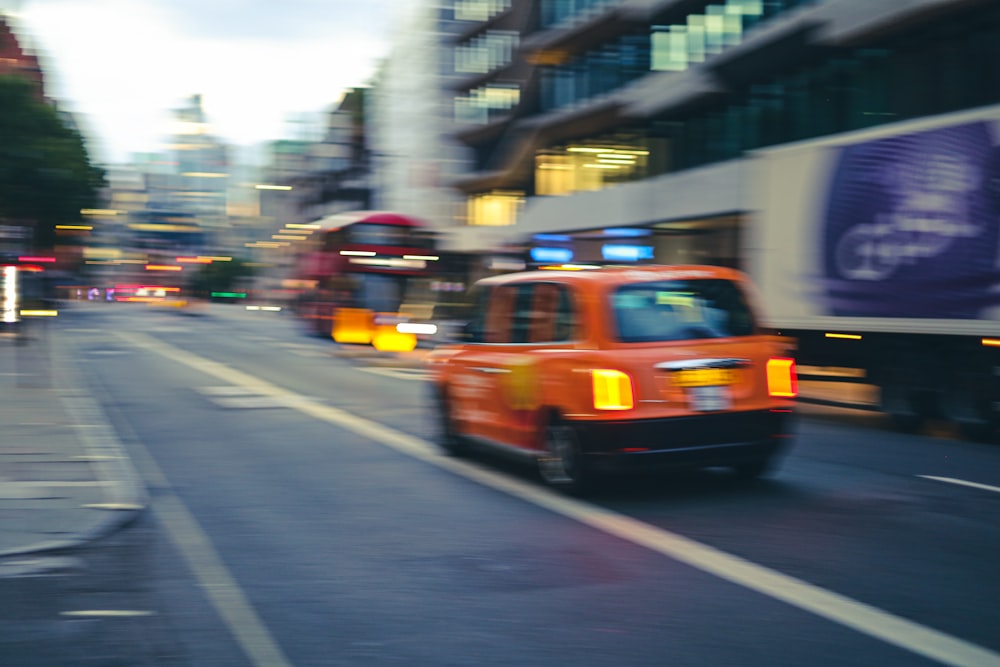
(479, 10)
(486, 104)
(593, 166)
(555, 12)
(486, 53)
(676, 46)
(499, 208)
(595, 72)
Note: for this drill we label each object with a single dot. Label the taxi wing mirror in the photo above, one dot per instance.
(468, 332)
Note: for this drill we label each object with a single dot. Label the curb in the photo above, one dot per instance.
(125, 496)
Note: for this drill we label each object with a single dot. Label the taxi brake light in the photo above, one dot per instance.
(781, 377)
(612, 390)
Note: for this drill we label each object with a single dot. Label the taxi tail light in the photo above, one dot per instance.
(612, 390)
(782, 380)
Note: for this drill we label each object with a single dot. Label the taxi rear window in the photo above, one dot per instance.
(680, 310)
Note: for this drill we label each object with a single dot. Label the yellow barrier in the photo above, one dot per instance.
(353, 325)
(387, 339)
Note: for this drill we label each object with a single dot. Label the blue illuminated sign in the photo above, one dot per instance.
(555, 255)
(627, 231)
(626, 253)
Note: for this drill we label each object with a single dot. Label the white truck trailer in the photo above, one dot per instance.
(880, 250)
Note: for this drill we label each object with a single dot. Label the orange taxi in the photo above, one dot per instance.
(617, 369)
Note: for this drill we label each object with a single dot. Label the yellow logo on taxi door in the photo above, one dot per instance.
(522, 384)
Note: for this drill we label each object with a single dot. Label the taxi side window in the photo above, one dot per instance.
(552, 316)
(565, 316)
(499, 315)
(476, 327)
(523, 314)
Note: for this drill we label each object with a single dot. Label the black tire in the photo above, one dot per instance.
(446, 434)
(900, 396)
(563, 466)
(969, 404)
(750, 470)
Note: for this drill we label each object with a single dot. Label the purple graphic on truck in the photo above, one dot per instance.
(911, 226)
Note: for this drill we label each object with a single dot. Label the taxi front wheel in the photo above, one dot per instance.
(562, 465)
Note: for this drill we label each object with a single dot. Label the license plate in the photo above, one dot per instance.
(705, 377)
(710, 399)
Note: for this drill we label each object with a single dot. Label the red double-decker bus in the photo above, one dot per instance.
(366, 274)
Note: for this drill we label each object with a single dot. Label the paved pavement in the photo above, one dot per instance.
(65, 479)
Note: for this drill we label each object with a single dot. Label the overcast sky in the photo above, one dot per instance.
(123, 65)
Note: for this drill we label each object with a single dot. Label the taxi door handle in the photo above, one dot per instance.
(490, 369)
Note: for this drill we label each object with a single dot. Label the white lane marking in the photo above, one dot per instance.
(859, 616)
(218, 584)
(225, 391)
(962, 482)
(243, 398)
(398, 373)
(108, 613)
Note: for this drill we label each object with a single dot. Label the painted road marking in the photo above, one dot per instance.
(218, 584)
(962, 482)
(398, 373)
(864, 618)
(215, 580)
(242, 398)
(108, 613)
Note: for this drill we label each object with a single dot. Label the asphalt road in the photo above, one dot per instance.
(300, 517)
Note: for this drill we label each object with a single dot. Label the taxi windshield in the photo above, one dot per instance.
(680, 310)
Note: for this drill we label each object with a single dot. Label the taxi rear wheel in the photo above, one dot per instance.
(753, 469)
(562, 465)
(446, 434)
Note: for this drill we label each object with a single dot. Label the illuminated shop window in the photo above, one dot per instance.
(495, 209)
(587, 167)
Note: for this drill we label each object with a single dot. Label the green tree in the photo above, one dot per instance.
(221, 277)
(46, 176)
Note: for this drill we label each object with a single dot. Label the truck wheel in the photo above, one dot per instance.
(562, 465)
(899, 404)
(902, 398)
(969, 402)
(446, 434)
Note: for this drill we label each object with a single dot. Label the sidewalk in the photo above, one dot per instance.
(65, 479)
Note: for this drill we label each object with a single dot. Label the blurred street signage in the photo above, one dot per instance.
(14, 232)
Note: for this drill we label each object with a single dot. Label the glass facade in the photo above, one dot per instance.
(486, 103)
(666, 47)
(676, 46)
(945, 66)
(479, 10)
(486, 53)
(594, 72)
(555, 12)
